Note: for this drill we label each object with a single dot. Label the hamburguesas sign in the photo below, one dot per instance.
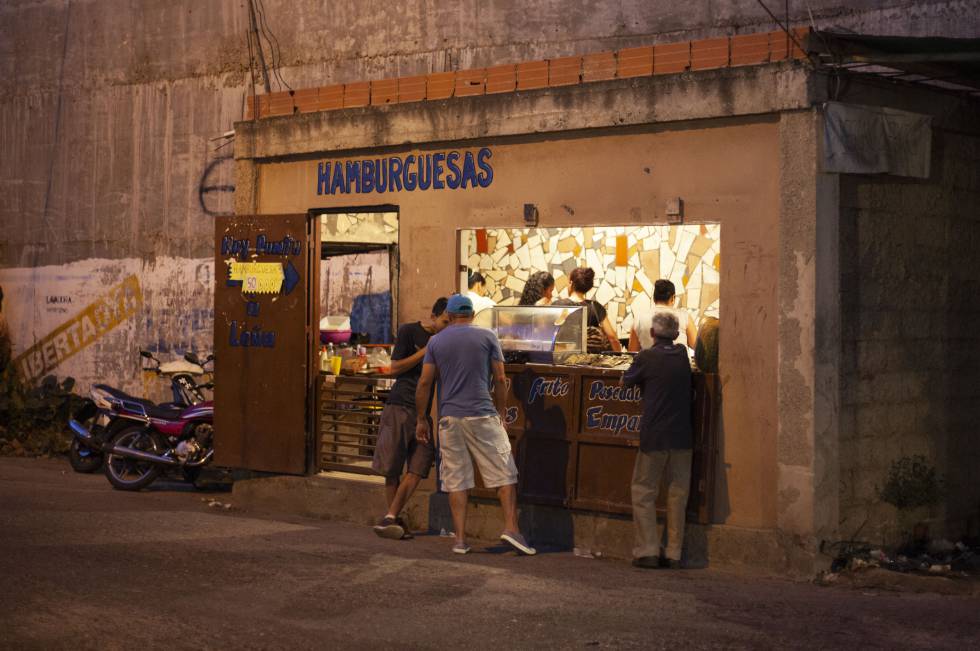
(453, 170)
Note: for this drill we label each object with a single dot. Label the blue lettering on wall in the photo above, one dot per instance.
(486, 174)
(510, 416)
(598, 418)
(434, 171)
(455, 174)
(256, 337)
(599, 390)
(410, 178)
(554, 387)
(242, 249)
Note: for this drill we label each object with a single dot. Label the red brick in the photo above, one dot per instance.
(329, 98)
(384, 91)
(357, 94)
(470, 82)
(440, 85)
(501, 79)
(565, 71)
(748, 49)
(778, 45)
(709, 53)
(598, 66)
(280, 103)
(779, 42)
(256, 105)
(634, 62)
(411, 89)
(305, 100)
(671, 58)
(532, 74)
(802, 35)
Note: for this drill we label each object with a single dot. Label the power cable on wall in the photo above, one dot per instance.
(57, 127)
(259, 28)
(274, 48)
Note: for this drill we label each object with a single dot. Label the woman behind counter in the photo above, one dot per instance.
(580, 282)
(538, 289)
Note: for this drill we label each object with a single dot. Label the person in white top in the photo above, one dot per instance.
(478, 292)
(663, 301)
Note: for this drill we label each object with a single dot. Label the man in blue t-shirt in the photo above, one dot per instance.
(464, 358)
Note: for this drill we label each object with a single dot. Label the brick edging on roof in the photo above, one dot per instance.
(669, 58)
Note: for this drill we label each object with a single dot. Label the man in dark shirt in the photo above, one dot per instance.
(664, 373)
(396, 443)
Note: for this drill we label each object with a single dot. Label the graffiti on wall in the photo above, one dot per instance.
(215, 190)
(99, 317)
(52, 312)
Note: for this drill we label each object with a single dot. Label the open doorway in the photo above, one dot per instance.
(358, 274)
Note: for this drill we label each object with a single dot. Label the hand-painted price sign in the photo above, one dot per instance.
(257, 277)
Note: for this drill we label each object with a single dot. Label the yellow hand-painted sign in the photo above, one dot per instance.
(257, 277)
(105, 313)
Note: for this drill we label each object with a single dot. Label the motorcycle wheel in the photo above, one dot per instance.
(82, 458)
(130, 474)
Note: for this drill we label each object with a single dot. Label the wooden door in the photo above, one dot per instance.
(263, 343)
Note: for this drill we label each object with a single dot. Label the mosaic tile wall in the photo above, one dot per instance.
(364, 227)
(627, 261)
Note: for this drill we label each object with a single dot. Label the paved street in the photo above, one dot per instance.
(86, 567)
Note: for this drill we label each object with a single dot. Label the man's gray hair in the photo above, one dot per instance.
(665, 326)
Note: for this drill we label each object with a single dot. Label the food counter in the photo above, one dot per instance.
(575, 434)
(574, 430)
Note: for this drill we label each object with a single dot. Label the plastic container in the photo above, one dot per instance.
(335, 329)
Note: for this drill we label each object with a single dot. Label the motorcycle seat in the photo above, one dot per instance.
(122, 395)
(164, 412)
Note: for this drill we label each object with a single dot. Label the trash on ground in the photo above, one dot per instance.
(935, 558)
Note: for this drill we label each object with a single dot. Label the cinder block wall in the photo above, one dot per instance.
(911, 342)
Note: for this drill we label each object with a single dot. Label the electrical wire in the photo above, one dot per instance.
(785, 28)
(274, 47)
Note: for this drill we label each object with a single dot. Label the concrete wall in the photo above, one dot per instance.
(107, 110)
(911, 347)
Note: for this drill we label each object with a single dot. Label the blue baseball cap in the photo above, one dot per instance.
(459, 304)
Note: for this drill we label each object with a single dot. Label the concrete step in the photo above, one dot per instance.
(360, 499)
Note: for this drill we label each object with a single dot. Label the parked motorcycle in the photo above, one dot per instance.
(157, 439)
(96, 422)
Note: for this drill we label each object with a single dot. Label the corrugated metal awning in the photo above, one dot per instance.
(947, 63)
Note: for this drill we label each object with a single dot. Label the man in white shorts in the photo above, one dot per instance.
(464, 357)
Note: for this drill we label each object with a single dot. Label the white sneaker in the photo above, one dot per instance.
(517, 541)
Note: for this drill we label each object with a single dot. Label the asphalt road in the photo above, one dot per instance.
(85, 567)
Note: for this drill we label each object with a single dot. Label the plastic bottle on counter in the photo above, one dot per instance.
(324, 359)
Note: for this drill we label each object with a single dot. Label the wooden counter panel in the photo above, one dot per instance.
(540, 403)
(603, 476)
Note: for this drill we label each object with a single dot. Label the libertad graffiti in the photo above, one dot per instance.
(121, 302)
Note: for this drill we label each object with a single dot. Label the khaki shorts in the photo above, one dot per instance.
(480, 439)
(397, 445)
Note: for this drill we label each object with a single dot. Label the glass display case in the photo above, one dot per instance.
(537, 334)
